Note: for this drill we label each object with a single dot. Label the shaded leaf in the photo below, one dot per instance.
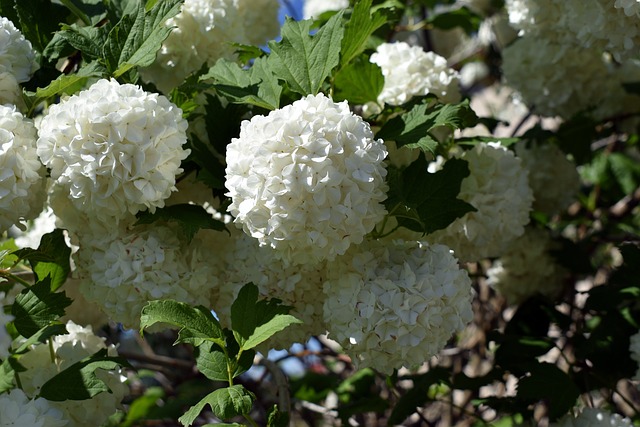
(190, 218)
(361, 25)
(55, 247)
(547, 382)
(359, 82)
(225, 402)
(37, 306)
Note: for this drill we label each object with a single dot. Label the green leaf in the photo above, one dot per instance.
(412, 128)
(255, 86)
(626, 171)
(256, 321)
(65, 84)
(197, 323)
(277, 418)
(7, 375)
(304, 61)
(53, 245)
(79, 381)
(190, 218)
(225, 402)
(90, 12)
(213, 363)
(41, 336)
(135, 40)
(88, 40)
(37, 306)
(418, 395)
(361, 25)
(359, 82)
(39, 20)
(547, 382)
(143, 405)
(426, 202)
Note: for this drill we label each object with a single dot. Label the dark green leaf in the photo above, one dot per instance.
(426, 202)
(547, 382)
(54, 245)
(7, 375)
(63, 85)
(276, 418)
(190, 218)
(359, 82)
(225, 402)
(362, 24)
(463, 18)
(91, 12)
(37, 306)
(305, 61)
(212, 362)
(143, 405)
(39, 20)
(41, 336)
(88, 40)
(197, 323)
(418, 395)
(79, 381)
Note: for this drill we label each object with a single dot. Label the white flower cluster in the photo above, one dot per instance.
(5, 338)
(22, 176)
(297, 286)
(315, 8)
(396, 303)
(630, 7)
(205, 31)
(593, 417)
(553, 178)
(410, 71)
(17, 62)
(536, 16)
(114, 148)
(307, 180)
(70, 348)
(17, 410)
(527, 268)
(498, 188)
(634, 349)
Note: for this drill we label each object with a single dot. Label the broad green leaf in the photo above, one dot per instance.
(135, 40)
(196, 324)
(426, 202)
(547, 382)
(359, 82)
(54, 245)
(361, 25)
(79, 381)
(212, 362)
(88, 40)
(90, 12)
(39, 19)
(190, 218)
(256, 85)
(304, 61)
(32, 255)
(412, 128)
(37, 306)
(225, 402)
(65, 84)
(7, 249)
(7, 376)
(41, 336)
(256, 321)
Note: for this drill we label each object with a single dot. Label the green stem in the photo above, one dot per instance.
(14, 278)
(251, 422)
(52, 352)
(74, 9)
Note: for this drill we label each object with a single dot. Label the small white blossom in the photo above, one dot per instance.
(16, 53)
(307, 180)
(553, 177)
(527, 268)
(22, 176)
(315, 8)
(593, 417)
(204, 32)
(410, 71)
(498, 188)
(115, 148)
(17, 410)
(396, 303)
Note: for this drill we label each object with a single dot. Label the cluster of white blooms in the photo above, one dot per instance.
(498, 188)
(553, 177)
(410, 71)
(115, 148)
(396, 303)
(22, 176)
(79, 343)
(260, 20)
(630, 7)
(17, 410)
(81, 311)
(297, 286)
(527, 268)
(17, 61)
(315, 8)
(307, 180)
(536, 16)
(5, 338)
(593, 417)
(634, 349)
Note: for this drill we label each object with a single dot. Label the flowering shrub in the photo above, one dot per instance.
(423, 248)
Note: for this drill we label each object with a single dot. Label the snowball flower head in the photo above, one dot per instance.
(553, 177)
(634, 349)
(498, 188)
(593, 417)
(410, 71)
(307, 180)
(5, 338)
(16, 53)
(116, 148)
(22, 176)
(16, 410)
(527, 268)
(203, 33)
(396, 303)
(315, 8)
